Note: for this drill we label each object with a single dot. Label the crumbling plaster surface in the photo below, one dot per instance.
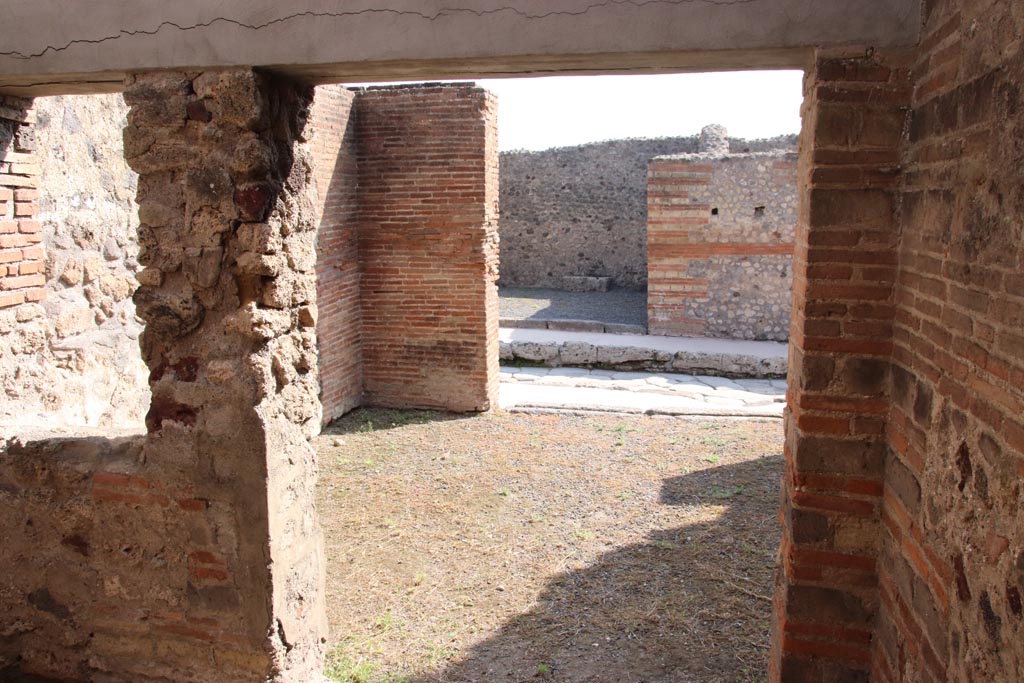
(73, 359)
(324, 40)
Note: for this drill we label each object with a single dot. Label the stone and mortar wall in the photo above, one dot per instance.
(192, 553)
(952, 556)
(720, 244)
(428, 245)
(69, 354)
(902, 555)
(582, 210)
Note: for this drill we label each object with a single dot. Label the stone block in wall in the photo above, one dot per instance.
(575, 325)
(609, 355)
(580, 283)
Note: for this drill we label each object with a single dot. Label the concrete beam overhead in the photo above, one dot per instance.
(53, 46)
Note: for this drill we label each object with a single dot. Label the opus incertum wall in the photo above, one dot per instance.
(68, 332)
(720, 242)
(582, 210)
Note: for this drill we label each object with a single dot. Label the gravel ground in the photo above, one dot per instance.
(614, 306)
(509, 548)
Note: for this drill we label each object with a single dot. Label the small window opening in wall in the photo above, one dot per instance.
(758, 212)
(714, 211)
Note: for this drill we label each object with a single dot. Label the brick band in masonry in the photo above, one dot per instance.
(719, 244)
(844, 268)
(21, 251)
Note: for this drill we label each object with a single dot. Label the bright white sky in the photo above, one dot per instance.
(538, 113)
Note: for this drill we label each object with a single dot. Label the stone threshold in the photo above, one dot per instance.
(579, 390)
(690, 355)
(569, 325)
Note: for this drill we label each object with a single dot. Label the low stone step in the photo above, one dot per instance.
(695, 356)
(571, 325)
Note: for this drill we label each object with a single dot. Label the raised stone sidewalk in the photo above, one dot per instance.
(583, 390)
(690, 355)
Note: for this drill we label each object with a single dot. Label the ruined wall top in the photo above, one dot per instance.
(714, 140)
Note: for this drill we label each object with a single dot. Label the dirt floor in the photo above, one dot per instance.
(510, 547)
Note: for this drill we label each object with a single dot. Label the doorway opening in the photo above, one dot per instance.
(566, 544)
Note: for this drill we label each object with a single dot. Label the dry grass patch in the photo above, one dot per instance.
(511, 547)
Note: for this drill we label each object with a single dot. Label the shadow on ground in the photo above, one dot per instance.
(622, 306)
(688, 604)
(384, 419)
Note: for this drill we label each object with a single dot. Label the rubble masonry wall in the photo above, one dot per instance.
(68, 332)
(720, 244)
(583, 210)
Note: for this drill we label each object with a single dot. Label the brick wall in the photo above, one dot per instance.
(21, 252)
(338, 327)
(719, 244)
(952, 558)
(840, 341)
(582, 210)
(428, 196)
(903, 555)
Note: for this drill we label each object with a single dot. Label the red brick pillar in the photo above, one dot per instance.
(676, 219)
(428, 245)
(21, 250)
(333, 145)
(840, 344)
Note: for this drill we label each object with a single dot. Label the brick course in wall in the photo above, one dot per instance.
(952, 545)
(720, 244)
(845, 259)
(22, 257)
(339, 325)
(428, 201)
